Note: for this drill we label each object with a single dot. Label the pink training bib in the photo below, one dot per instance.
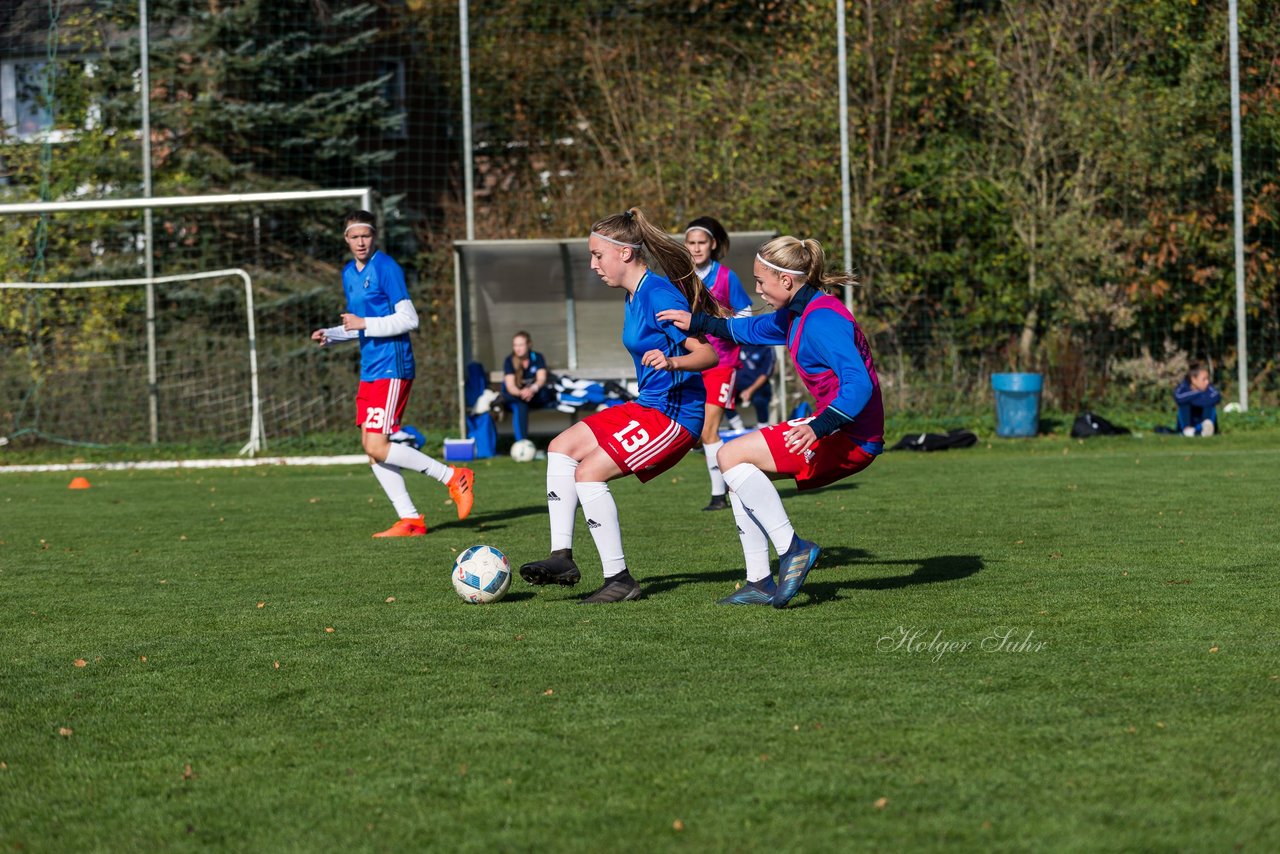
(726, 349)
(868, 425)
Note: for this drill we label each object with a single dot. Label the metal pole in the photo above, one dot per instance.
(153, 394)
(459, 324)
(468, 189)
(183, 201)
(257, 435)
(467, 151)
(1242, 346)
(846, 212)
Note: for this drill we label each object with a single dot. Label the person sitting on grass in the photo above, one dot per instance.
(1197, 401)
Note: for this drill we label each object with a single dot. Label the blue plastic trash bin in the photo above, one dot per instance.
(1017, 404)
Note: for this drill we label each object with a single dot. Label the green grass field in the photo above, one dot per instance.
(224, 659)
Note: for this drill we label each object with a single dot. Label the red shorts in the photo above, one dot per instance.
(829, 459)
(719, 383)
(379, 405)
(642, 441)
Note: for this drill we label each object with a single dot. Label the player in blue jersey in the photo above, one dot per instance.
(707, 242)
(644, 437)
(380, 316)
(752, 384)
(833, 359)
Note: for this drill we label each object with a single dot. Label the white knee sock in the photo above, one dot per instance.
(562, 499)
(392, 483)
(761, 500)
(755, 545)
(713, 467)
(602, 520)
(411, 458)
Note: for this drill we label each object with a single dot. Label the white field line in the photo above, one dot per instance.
(141, 465)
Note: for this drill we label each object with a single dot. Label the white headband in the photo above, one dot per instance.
(616, 242)
(361, 224)
(780, 269)
(700, 228)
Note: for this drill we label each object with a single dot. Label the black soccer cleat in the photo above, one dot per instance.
(619, 588)
(718, 502)
(559, 568)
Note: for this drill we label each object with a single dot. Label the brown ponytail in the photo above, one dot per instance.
(633, 227)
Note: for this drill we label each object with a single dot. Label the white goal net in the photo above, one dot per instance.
(212, 349)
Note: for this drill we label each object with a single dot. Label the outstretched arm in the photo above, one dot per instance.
(768, 328)
(333, 335)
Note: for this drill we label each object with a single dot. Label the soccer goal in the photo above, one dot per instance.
(213, 347)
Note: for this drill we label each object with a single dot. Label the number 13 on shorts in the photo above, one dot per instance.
(632, 437)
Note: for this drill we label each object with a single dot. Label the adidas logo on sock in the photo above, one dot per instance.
(740, 531)
(551, 496)
(592, 523)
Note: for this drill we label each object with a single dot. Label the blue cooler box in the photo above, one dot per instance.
(459, 450)
(1017, 404)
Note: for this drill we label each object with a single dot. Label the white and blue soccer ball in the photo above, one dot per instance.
(524, 451)
(481, 575)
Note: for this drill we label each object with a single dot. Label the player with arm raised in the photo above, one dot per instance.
(833, 359)
(380, 316)
(644, 437)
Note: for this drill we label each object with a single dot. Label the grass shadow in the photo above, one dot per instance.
(929, 570)
(658, 583)
(499, 516)
(1051, 425)
(788, 488)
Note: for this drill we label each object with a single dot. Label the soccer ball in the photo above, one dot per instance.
(481, 575)
(524, 451)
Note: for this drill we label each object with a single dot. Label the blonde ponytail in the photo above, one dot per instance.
(791, 253)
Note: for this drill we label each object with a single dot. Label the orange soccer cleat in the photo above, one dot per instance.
(411, 526)
(462, 490)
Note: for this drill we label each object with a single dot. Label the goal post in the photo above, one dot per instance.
(256, 438)
(215, 344)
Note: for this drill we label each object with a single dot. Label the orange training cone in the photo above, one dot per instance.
(78, 483)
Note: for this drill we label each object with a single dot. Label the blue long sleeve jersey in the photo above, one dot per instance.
(1185, 395)
(374, 291)
(679, 395)
(826, 345)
